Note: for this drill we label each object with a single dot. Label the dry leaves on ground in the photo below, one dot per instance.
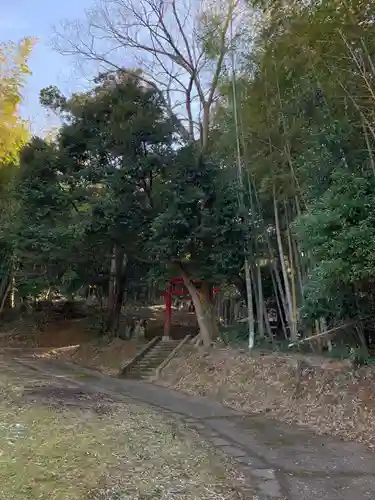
(329, 398)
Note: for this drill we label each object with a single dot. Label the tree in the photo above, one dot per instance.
(305, 99)
(13, 70)
(159, 202)
(13, 134)
(337, 232)
(198, 228)
(180, 47)
(45, 230)
(115, 143)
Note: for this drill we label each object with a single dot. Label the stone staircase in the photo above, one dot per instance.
(145, 366)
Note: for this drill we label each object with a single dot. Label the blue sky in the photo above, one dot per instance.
(20, 18)
(37, 18)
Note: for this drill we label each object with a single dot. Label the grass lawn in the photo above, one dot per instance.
(59, 443)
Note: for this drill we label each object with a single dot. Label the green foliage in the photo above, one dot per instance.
(112, 149)
(119, 176)
(234, 335)
(114, 178)
(305, 103)
(360, 357)
(199, 224)
(337, 231)
(44, 231)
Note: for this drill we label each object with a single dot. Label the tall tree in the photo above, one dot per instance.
(198, 229)
(13, 134)
(305, 101)
(44, 232)
(13, 70)
(116, 142)
(180, 47)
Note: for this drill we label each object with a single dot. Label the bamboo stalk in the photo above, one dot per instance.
(5, 296)
(292, 271)
(292, 325)
(369, 149)
(261, 313)
(251, 320)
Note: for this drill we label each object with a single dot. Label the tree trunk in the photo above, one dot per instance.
(240, 283)
(4, 290)
(279, 299)
(9, 299)
(250, 306)
(204, 309)
(205, 126)
(112, 281)
(260, 312)
(292, 271)
(5, 296)
(117, 288)
(209, 305)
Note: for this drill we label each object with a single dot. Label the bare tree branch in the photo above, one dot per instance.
(169, 40)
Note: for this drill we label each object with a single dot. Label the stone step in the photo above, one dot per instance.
(163, 348)
(150, 359)
(141, 371)
(162, 353)
(146, 366)
(168, 343)
(157, 355)
(153, 360)
(159, 352)
(167, 347)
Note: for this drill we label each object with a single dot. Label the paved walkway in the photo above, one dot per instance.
(280, 461)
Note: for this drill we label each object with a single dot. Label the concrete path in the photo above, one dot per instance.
(282, 462)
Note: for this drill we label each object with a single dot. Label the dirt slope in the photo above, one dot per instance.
(328, 397)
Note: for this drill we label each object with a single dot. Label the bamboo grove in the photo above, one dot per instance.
(240, 151)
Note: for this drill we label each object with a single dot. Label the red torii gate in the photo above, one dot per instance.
(171, 290)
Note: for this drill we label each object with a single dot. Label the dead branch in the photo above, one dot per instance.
(322, 334)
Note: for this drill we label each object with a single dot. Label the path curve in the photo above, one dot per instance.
(280, 461)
